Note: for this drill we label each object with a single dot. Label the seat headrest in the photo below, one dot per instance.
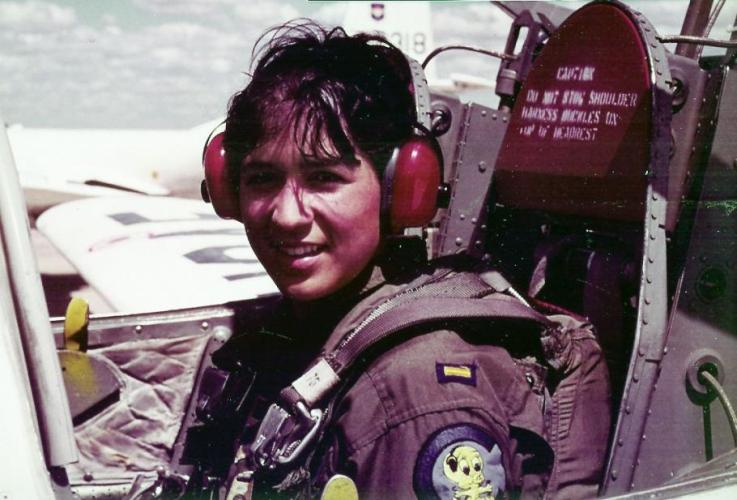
(579, 136)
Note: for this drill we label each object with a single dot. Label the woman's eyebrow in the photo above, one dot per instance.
(257, 164)
(329, 163)
(321, 164)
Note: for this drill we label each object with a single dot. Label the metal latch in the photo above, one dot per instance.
(282, 437)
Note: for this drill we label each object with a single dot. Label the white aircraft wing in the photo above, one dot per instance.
(56, 165)
(42, 190)
(150, 254)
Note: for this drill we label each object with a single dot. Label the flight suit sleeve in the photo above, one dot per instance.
(434, 418)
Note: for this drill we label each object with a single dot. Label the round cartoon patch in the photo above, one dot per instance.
(460, 462)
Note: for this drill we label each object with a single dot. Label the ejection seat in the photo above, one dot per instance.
(600, 145)
(574, 173)
(577, 197)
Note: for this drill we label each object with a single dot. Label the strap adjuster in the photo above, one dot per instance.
(282, 437)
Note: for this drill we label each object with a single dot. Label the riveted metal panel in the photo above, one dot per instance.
(463, 229)
(703, 324)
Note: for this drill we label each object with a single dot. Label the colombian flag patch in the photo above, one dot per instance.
(454, 372)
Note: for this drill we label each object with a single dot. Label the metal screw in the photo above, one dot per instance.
(459, 241)
(221, 333)
(138, 329)
(204, 325)
(482, 166)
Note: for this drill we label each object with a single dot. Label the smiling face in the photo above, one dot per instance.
(313, 225)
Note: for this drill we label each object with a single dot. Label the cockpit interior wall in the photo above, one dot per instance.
(137, 433)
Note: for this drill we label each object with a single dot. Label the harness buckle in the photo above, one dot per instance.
(282, 436)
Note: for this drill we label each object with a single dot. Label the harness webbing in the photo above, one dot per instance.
(416, 311)
(463, 296)
(288, 428)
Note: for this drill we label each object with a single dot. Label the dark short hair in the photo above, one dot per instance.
(354, 90)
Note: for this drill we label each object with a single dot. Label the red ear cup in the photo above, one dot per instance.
(220, 190)
(411, 183)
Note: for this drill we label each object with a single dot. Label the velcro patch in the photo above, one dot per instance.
(459, 461)
(454, 372)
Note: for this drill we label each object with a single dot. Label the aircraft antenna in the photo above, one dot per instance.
(713, 17)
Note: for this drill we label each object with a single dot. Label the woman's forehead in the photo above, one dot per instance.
(287, 138)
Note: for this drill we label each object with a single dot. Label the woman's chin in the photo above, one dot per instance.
(307, 290)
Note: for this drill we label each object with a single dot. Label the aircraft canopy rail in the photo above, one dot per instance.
(50, 400)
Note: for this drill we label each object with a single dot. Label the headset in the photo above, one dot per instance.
(412, 178)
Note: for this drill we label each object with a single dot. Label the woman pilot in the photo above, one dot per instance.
(308, 143)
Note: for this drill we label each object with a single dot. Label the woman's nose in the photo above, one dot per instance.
(291, 207)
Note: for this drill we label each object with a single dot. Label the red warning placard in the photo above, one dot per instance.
(578, 139)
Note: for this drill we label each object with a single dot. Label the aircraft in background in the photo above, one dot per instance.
(408, 25)
(57, 165)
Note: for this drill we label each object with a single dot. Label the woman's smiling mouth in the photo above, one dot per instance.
(297, 250)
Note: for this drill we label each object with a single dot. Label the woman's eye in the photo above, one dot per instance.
(325, 177)
(258, 178)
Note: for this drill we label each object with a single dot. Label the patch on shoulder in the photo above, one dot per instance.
(453, 372)
(459, 462)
